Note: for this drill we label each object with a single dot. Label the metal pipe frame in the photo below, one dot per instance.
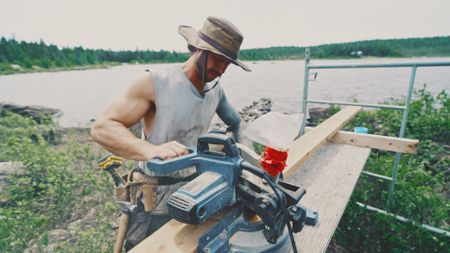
(396, 107)
(401, 135)
(406, 220)
(382, 65)
(376, 175)
(405, 108)
(305, 93)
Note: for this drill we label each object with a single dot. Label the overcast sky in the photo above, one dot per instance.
(151, 24)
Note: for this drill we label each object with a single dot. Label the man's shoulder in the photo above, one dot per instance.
(164, 71)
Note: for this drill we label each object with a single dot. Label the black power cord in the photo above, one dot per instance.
(281, 199)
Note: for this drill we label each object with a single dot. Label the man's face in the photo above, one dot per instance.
(215, 66)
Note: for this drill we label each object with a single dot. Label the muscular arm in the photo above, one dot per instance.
(111, 129)
(228, 115)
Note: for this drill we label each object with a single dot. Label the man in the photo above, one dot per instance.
(175, 106)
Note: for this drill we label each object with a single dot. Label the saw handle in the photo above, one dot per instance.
(229, 145)
(161, 166)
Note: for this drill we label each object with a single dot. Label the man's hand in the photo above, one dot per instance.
(169, 150)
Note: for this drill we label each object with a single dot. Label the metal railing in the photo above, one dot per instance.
(405, 108)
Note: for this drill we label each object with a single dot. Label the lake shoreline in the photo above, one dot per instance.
(114, 64)
(58, 69)
(83, 95)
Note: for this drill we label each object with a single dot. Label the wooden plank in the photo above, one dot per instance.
(387, 143)
(329, 178)
(304, 146)
(174, 237)
(401, 145)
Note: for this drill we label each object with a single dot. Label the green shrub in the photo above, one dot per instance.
(50, 191)
(422, 189)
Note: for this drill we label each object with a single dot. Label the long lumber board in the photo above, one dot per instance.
(304, 146)
(388, 143)
(177, 237)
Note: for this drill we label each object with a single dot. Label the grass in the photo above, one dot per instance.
(60, 184)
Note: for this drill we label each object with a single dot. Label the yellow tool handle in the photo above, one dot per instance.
(109, 161)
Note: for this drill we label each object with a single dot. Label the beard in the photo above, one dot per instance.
(212, 74)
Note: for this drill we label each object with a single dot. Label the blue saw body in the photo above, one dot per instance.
(218, 166)
(223, 180)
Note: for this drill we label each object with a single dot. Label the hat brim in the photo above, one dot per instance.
(190, 34)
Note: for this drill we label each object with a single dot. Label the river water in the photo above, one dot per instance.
(83, 95)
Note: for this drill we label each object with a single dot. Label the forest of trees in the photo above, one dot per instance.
(19, 56)
(413, 47)
(30, 55)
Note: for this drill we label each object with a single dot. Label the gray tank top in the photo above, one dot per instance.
(182, 114)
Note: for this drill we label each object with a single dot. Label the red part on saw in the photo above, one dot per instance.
(273, 161)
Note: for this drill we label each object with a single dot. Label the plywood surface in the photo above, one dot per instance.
(329, 177)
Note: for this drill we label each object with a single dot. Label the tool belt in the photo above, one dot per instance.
(140, 186)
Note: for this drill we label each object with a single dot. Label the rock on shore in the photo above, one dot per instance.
(249, 113)
(256, 109)
(264, 105)
(37, 113)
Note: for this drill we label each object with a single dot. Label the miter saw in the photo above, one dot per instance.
(262, 211)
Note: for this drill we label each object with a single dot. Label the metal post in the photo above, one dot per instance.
(305, 92)
(402, 134)
(393, 179)
(406, 220)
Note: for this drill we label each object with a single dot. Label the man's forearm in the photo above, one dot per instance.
(229, 116)
(117, 139)
(236, 130)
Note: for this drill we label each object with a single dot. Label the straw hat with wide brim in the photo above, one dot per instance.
(217, 35)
